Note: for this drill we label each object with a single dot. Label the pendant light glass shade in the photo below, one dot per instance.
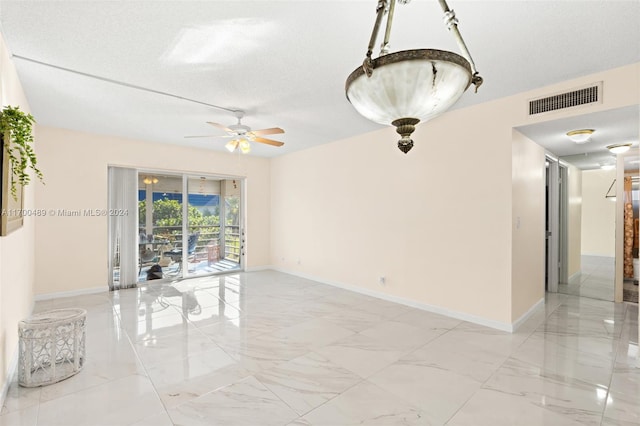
(232, 145)
(411, 84)
(245, 147)
(242, 144)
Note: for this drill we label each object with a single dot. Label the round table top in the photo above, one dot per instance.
(54, 316)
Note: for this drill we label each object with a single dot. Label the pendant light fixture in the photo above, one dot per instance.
(404, 88)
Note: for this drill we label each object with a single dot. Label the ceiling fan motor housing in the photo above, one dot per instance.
(239, 129)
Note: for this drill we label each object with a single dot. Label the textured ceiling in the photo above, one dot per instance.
(283, 62)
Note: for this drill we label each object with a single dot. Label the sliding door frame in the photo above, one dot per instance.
(185, 176)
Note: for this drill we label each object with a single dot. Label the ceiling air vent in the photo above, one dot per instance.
(581, 96)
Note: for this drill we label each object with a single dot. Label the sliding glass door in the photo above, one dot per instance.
(233, 235)
(203, 224)
(160, 221)
(188, 225)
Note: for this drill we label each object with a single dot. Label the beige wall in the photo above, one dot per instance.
(434, 222)
(437, 222)
(528, 224)
(16, 249)
(574, 219)
(598, 213)
(71, 252)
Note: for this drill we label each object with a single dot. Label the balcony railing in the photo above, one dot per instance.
(232, 242)
(208, 235)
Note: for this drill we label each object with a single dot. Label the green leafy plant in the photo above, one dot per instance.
(17, 128)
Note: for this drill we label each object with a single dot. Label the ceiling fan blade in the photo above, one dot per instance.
(271, 131)
(220, 126)
(268, 141)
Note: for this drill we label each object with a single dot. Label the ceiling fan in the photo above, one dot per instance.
(242, 135)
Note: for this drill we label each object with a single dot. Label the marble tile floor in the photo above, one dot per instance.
(595, 279)
(630, 290)
(267, 348)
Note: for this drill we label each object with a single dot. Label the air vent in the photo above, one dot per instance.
(581, 96)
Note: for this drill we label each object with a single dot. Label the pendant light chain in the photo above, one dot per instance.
(384, 49)
(451, 22)
(367, 65)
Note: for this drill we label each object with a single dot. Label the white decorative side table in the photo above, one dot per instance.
(52, 346)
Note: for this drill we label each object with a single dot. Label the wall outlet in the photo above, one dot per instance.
(382, 280)
(298, 261)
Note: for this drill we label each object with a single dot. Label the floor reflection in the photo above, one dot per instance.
(595, 280)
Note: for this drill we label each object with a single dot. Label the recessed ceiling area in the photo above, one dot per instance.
(614, 126)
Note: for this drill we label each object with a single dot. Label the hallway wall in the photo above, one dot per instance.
(574, 220)
(598, 214)
(528, 243)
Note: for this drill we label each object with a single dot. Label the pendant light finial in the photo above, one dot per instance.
(405, 127)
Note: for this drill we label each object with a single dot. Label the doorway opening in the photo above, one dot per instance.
(180, 225)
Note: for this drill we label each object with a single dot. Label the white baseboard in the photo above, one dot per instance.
(10, 374)
(573, 276)
(499, 325)
(259, 268)
(524, 317)
(92, 290)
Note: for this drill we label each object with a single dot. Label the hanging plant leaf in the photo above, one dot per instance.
(17, 126)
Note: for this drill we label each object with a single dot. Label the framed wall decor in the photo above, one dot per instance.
(12, 209)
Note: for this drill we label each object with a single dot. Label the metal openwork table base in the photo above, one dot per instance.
(52, 346)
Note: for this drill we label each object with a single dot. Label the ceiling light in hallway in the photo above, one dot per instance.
(580, 136)
(619, 148)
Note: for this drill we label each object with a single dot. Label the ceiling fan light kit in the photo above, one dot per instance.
(402, 89)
